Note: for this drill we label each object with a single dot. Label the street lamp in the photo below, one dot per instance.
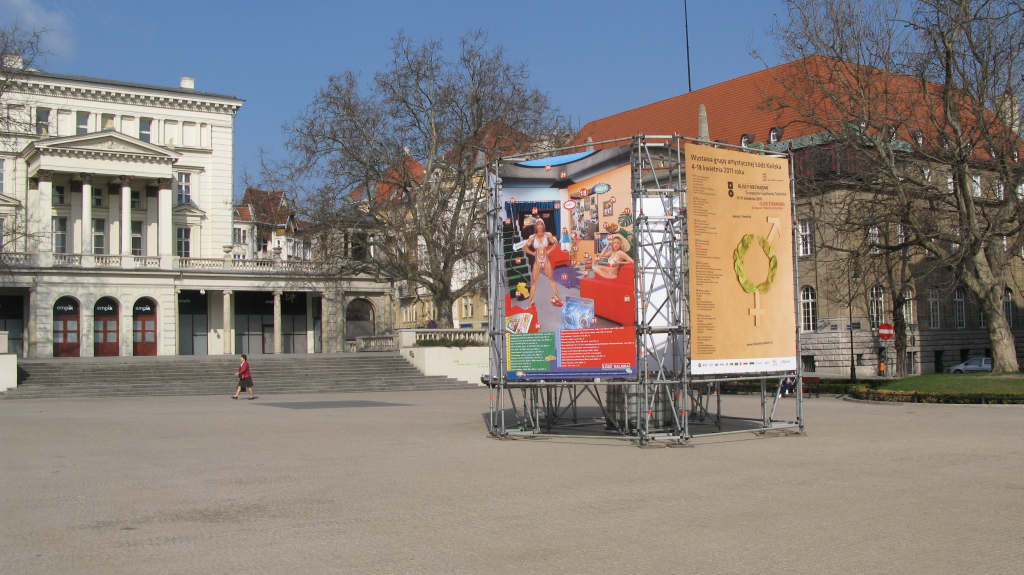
(849, 292)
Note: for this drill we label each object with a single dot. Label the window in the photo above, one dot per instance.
(81, 123)
(1008, 307)
(806, 240)
(184, 244)
(950, 187)
(136, 238)
(808, 309)
(2, 242)
(1000, 191)
(107, 122)
(99, 235)
(136, 200)
(955, 246)
(981, 318)
(959, 309)
(467, 306)
(908, 306)
(261, 245)
(58, 195)
(60, 235)
(42, 122)
(3, 173)
(873, 248)
(97, 198)
(976, 186)
(145, 127)
(877, 309)
(239, 236)
(934, 307)
(184, 188)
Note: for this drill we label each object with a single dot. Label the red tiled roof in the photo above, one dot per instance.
(243, 214)
(735, 107)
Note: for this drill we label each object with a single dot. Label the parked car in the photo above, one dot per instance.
(973, 365)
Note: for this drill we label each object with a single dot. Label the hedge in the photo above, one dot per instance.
(917, 397)
(446, 341)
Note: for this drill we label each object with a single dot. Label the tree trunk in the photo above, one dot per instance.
(899, 340)
(443, 308)
(1004, 350)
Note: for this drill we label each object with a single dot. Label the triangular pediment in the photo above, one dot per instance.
(188, 210)
(8, 202)
(105, 141)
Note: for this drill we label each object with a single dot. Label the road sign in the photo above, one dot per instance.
(886, 331)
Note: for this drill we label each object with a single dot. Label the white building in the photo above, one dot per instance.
(117, 223)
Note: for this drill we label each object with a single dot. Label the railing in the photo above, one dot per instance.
(377, 343)
(64, 260)
(259, 265)
(107, 261)
(147, 262)
(418, 337)
(15, 258)
(200, 264)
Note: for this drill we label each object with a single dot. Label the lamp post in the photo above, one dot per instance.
(849, 290)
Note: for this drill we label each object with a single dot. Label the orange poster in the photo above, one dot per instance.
(742, 314)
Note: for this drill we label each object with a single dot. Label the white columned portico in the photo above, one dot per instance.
(227, 322)
(278, 344)
(86, 249)
(126, 222)
(165, 223)
(44, 237)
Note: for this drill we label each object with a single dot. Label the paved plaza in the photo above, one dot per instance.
(409, 482)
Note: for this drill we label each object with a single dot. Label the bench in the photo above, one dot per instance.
(811, 386)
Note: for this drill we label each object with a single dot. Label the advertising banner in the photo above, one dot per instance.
(570, 305)
(741, 262)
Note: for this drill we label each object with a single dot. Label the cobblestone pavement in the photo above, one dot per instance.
(409, 482)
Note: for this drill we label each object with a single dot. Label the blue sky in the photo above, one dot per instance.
(594, 58)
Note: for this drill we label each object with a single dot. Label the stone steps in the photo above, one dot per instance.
(132, 377)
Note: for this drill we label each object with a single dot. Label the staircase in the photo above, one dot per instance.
(212, 375)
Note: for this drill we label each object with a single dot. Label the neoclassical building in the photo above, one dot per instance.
(117, 221)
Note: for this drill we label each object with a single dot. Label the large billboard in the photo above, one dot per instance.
(741, 262)
(568, 256)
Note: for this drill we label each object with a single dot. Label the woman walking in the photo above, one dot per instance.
(244, 379)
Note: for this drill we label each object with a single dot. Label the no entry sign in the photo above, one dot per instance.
(886, 331)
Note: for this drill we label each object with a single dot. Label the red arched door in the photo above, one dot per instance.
(144, 327)
(66, 320)
(104, 328)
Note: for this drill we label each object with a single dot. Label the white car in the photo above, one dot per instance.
(973, 365)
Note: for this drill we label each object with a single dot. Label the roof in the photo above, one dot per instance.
(242, 214)
(735, 107)
(91, 80)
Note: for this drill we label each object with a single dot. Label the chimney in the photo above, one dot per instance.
(702, 124)
(1008, 111)
(590, 144)
(188, 82)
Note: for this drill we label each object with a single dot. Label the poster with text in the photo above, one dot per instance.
(741, 262)
(570, 309)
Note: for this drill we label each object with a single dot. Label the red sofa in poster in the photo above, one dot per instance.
(514, 309)
(614, 298)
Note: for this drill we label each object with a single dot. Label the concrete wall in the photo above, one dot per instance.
(463, 363)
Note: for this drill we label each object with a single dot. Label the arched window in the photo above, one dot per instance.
(808, 309)
(1008, 307)
(877, 309)
(959, 309)
(359, 319)
(908, 306)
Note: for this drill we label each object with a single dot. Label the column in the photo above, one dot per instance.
(278, 344)
(177, 325)
(86, 248)
(114, 223)
(33, 321)
(126, 222)
(165, 223)
(228, 340)
(44, 239)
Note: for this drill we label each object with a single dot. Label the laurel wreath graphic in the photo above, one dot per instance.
(741, 274)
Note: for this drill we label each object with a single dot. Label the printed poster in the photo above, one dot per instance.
(570, 310)
(741, 262)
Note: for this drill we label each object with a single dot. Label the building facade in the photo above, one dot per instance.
(119, 233)
(839, 308)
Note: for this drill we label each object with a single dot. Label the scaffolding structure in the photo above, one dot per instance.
(663, 401)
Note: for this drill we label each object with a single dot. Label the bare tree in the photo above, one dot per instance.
(393, 172)
(916, 105)
(20, 53)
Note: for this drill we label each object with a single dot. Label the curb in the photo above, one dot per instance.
(986, 405)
